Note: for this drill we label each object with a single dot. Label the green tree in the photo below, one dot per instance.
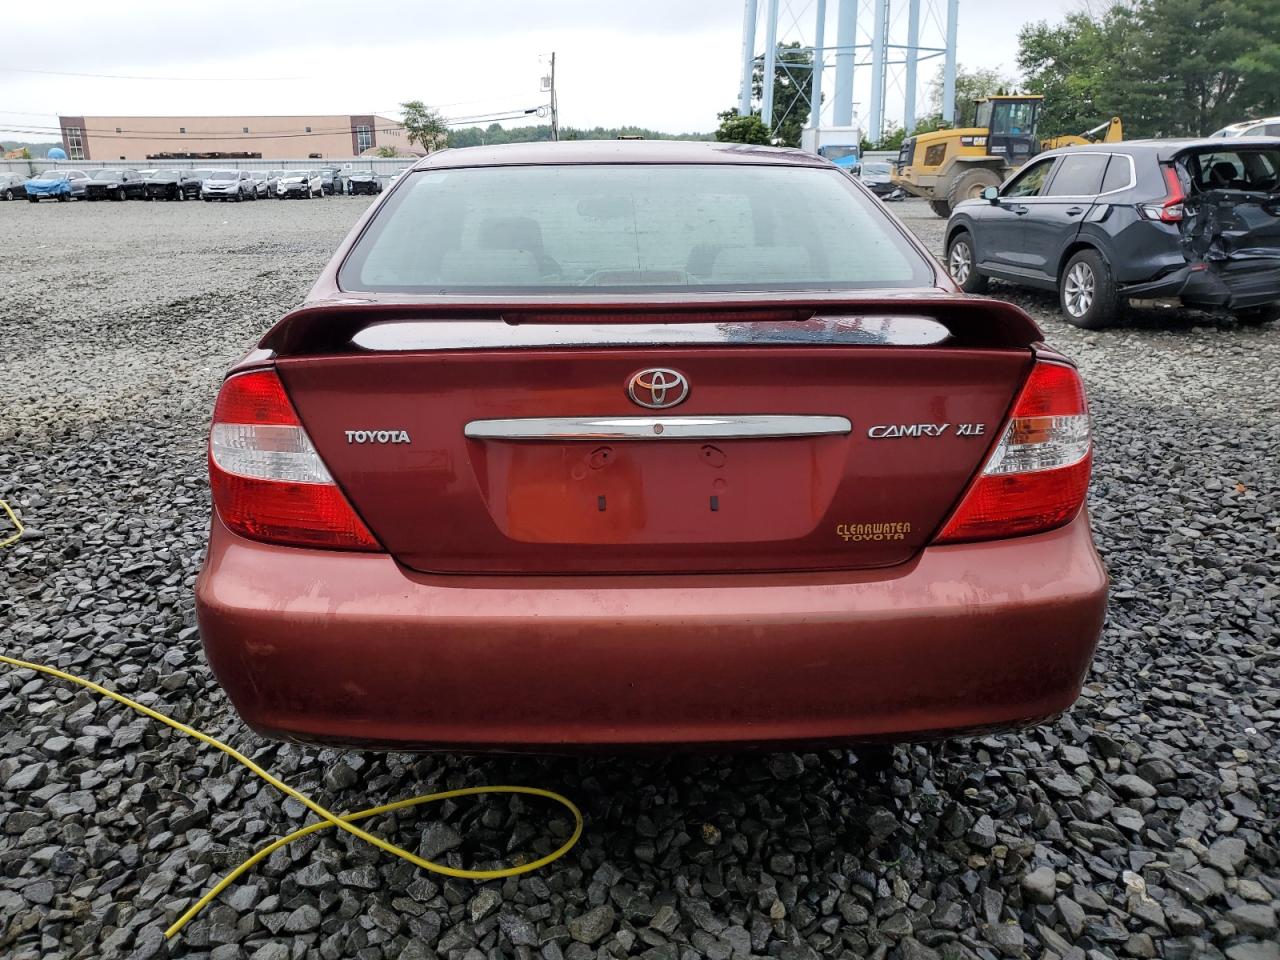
(736, 129)
(495, 133)
(1165, 67)
(792, 74)
(424, 126)
(792, 80)
(385, 152)
(970, 86)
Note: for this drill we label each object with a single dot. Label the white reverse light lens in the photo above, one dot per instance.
(267, 452)
(1041, 443)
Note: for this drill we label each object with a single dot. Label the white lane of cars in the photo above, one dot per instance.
(202, 183)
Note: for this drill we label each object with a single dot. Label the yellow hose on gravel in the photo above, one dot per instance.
(17, 526)
(328, 818)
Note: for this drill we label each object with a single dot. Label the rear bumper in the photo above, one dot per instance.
(1210, 287)
(350, 648)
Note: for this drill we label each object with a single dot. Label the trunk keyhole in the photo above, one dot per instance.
(713, 456)
(600, 458)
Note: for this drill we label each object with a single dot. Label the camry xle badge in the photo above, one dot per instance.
(378, 436)
(658, 388)
(882, 431)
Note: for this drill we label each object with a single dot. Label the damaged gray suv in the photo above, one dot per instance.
(1150, 223)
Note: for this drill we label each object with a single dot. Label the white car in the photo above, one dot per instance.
(299, 183)
(1266, 127)
(234, 185)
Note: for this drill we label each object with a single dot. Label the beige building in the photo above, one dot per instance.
(268, 138)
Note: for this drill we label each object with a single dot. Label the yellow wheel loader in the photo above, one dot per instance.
(947, 166)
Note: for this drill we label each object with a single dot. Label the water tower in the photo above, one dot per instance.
(880, 46)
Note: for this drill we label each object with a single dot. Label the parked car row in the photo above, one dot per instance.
(178, 184)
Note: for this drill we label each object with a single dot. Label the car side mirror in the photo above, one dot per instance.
(991, 194)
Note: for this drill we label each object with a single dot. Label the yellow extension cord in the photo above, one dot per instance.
(328, 819)
(17, 526)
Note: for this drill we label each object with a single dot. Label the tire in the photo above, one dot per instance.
(178, 194)
(9, 194)
(34, 199)
(940, 208)
(64, 197)
(239, 196)
(970, 184)
(1255, 315)
(961, 266)
(121, 195)
(1087, 291)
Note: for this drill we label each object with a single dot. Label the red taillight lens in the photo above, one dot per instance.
(268, 481)
(1170, 209)
(1037, 477)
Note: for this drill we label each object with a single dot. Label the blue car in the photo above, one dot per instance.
(60, 184)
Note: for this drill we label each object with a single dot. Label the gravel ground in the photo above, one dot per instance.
(1143, 824)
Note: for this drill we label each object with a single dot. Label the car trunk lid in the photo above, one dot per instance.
(812, 437)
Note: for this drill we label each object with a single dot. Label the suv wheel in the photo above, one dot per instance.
(960, 264)
(941, 208)
(1087, 292)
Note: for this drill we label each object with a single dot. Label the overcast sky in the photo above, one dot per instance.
(667, 64)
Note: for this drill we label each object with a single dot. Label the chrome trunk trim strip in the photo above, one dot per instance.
(659, 428)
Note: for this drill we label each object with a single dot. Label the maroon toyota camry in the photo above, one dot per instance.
(592, 444)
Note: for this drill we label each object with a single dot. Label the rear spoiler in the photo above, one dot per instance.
(358, 326)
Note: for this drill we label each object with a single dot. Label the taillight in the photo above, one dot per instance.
(1037, 476)
(268, 481)
(1168, 210)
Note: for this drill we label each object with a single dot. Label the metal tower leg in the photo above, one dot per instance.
(949, 64)
(770, 60)
(846, 38)
(879, 47)
(909, 80)
(815, 86)
(748, 56)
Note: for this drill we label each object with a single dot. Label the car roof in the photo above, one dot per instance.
(1251, 123)
(618, 151)
(1166, 149)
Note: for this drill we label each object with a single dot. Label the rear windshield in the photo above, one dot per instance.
(1253, 170)
(677, 226)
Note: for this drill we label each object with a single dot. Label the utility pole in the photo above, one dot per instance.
(555, 118)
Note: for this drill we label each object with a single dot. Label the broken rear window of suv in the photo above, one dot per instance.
(652, 227)
(1256, 170)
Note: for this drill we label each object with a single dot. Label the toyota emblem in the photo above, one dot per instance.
(658, 388)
